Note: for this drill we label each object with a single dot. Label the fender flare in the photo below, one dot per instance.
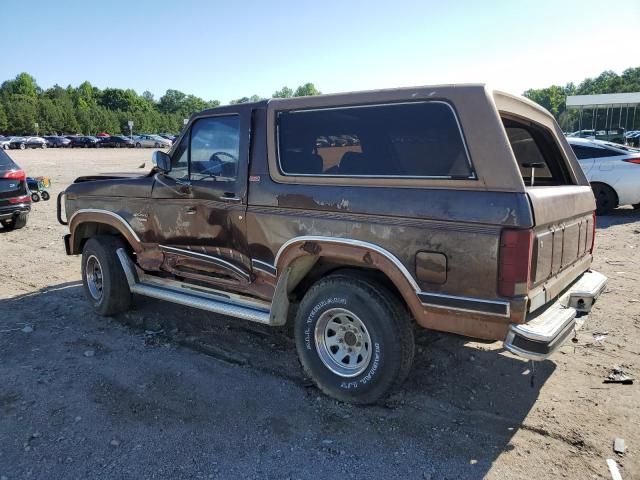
(104, 217)
(297, 257)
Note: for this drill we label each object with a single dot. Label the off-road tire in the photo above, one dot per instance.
(17, 222)
(606, 198)
(389, 328)
(116, 296)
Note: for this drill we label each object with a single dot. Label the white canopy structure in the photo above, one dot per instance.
(608, 110)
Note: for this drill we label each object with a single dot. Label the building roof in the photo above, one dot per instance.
(605, 99)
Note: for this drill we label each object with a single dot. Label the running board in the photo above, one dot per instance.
(191, 296)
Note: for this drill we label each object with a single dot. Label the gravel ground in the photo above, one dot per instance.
(169, 392)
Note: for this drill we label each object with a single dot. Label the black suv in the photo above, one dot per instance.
(84, 142)
(15, 201)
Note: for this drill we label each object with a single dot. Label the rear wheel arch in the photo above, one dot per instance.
(597, 186)
(301, 264)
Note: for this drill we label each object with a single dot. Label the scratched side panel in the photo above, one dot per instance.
(462, 225)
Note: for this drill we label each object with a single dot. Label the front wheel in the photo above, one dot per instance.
(104, 281)
(354, 339)
(35, 197)
(606, 199)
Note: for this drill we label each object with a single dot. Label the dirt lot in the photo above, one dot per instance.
(167, 392)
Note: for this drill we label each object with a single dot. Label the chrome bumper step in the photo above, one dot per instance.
(192, 296)
(545, 331)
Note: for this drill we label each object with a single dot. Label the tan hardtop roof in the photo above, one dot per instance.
(408, 93)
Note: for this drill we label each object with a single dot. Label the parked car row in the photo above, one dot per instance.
(87, 141)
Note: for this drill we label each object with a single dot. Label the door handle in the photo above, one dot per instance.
(230, 197)
(190, 211)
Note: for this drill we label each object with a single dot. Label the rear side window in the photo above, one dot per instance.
(396, 140)
(583, 152)
(538, 154)
(5, 161)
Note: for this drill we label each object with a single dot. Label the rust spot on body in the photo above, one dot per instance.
(311, 247)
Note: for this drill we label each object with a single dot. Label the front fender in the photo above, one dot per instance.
(99, 217)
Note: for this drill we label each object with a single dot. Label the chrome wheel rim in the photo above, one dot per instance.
(93, 275)
(343, 342)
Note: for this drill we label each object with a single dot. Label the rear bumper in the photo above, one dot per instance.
(10, 211)
(547, 330)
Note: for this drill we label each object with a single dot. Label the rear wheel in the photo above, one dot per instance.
(22, 146)
(105, 284)
(138, 145)
(354, 338)
(45, 195)
(606, 198)
(636, 206)
(17, 222)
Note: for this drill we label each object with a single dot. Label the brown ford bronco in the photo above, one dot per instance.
(458, 208)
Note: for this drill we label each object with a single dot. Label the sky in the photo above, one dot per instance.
(229, 49)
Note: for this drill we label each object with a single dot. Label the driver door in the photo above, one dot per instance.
(199, 206)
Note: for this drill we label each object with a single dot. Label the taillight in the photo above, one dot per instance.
(23, 199)
(593, 233)
(632, 160)
(514, 275)
(17, 174)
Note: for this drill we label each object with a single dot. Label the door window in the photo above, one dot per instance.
(215, 149)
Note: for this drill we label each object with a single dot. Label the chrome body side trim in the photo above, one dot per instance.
(353, 243)
(264, 267)
(106, 212)
(207, 258)
(481, 306)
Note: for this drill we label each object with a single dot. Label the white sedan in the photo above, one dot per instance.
(152, 141)
(613, 171)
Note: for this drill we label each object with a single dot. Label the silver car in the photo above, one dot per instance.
(151, 141)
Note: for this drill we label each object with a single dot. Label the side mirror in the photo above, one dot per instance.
(161, 161)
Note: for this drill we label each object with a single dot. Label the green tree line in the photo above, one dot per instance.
(88, 110)
(554, 98)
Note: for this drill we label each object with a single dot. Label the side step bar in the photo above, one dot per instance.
(190, 296)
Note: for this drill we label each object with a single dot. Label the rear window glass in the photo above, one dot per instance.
(397, 140)
(538, 154)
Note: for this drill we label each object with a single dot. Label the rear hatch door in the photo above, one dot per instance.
(560, 195)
